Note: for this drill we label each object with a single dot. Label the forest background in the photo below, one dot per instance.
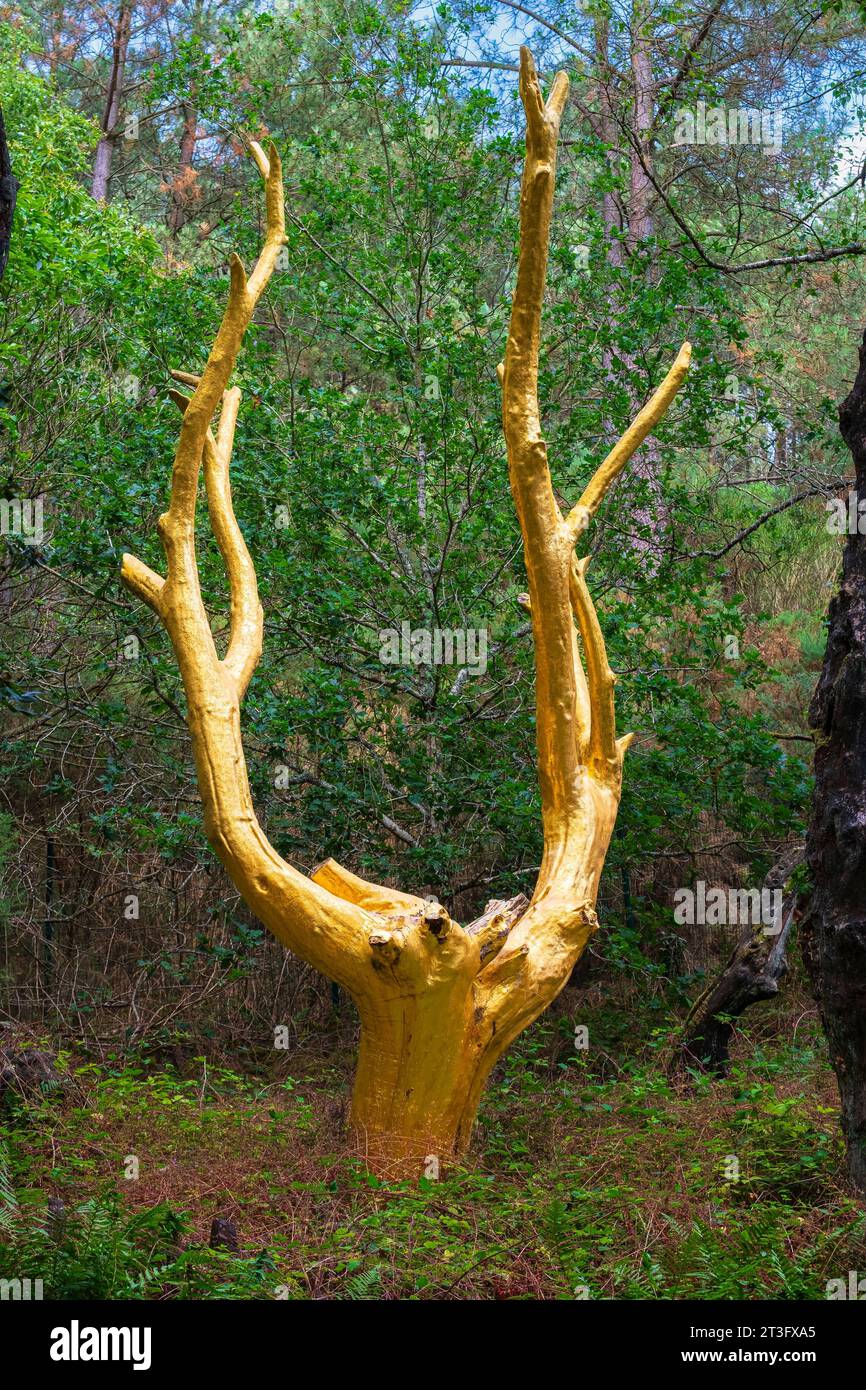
(370, 482)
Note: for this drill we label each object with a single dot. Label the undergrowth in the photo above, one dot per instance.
(585, 1181)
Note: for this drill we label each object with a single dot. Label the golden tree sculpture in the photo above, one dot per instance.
(438, 1002)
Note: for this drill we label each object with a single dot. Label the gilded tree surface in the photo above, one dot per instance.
(438, 1002)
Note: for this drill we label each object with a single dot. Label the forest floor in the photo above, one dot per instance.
(588, 1178)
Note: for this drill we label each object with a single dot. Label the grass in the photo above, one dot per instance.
(581, 1184)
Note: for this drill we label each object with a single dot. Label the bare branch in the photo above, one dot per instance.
(550, 26)
(819, 257)
(143, 581)
(820, 490)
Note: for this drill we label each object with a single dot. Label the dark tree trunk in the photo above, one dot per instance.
(753, 972)
(834, 927)
(8, 194)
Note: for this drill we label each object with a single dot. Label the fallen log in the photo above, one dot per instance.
(753, 972)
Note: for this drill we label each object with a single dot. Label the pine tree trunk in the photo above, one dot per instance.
(111, 114)
(181, 189)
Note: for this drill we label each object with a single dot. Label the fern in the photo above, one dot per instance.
(9, 1209)
(367, 1284)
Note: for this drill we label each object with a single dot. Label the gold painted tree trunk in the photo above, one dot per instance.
(439, 1003)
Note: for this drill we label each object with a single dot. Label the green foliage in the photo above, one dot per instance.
(581, 1185)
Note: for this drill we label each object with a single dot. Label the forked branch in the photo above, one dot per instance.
(177, 598)
(576, 727)
(579, 756)
(324, 929)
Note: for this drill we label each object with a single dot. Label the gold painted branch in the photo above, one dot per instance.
(327, 931)
(580, 758)
(580, 516)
